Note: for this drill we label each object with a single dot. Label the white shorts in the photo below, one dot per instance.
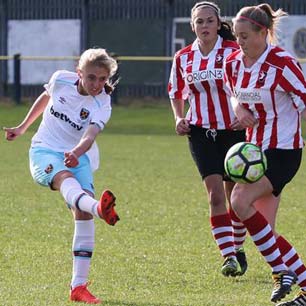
(46, 163)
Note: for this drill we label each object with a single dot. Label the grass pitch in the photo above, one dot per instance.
(161, 253)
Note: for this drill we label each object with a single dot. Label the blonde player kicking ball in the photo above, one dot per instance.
(63, 153)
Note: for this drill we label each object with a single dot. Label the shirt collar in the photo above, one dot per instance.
(263, 56)
(218, 44)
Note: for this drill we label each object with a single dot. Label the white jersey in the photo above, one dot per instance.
(199, 79)
(274, 90)
(68, 113)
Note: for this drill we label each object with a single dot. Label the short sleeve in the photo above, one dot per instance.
(50, 85)
(226, 79)
(177, 87)
(103, 113)
(293, 82)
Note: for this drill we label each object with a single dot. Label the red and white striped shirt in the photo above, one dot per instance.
(200, 79)
(274, 90)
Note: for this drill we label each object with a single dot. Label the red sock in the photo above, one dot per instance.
(222, 230)
(292, 261)
(239, 230)
(264, 239)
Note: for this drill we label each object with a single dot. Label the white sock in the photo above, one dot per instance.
(82, 248)
(75, 196)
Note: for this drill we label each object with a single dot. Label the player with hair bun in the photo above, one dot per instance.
(210, 124)
(63, 153)
(269, 99)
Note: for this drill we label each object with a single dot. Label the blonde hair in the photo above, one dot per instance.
(261, 16)
(100, 58)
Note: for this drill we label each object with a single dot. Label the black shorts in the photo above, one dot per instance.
(282, 167)
(209, 147)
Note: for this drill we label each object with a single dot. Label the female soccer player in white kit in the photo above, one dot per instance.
(63, 153)
(197, 76)
(269, 92)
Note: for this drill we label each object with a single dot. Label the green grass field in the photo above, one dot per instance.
(161, 253)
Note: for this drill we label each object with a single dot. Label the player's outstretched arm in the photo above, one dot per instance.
(35, 111)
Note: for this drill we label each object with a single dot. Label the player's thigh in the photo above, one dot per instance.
(45, 164)
(282, 167)
(84, 175)
(227, 138)
(205, 153)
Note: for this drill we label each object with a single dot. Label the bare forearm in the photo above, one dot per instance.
(83, 146)
(177, 108)
(72, 157)
(37, 108)
(181, 123)
(35, 111)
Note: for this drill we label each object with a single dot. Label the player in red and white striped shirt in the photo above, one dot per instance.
(269, 92)
(197, 76)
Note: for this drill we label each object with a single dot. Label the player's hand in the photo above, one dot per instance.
(236, 125)
(182, 126)
(71, 160)
(12, 133)
(245, 117)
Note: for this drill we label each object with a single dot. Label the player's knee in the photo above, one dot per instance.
(72, 191)
(216, 198)
(239, 201)
(59, 178)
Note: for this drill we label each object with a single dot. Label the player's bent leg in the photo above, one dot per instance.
(282, 283)
(106, 208)
(77, 198)
(298, 300)
(294, 263)
(221, 225)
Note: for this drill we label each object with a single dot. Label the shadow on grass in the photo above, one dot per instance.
(258, 281)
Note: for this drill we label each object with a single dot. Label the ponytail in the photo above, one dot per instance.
(261, 17)
(226, 31)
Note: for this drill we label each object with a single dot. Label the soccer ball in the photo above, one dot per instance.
(245, 163)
